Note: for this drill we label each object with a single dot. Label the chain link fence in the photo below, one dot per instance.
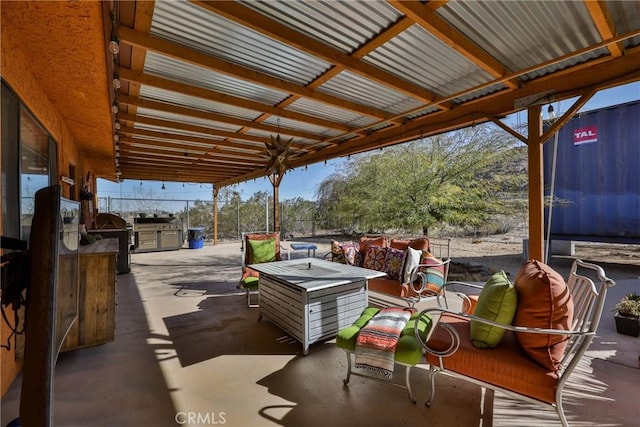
(234, 217)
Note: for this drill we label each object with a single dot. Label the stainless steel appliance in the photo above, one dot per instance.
(157, 234)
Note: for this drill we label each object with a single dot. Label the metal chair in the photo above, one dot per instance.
(450, 353)
(250, 278)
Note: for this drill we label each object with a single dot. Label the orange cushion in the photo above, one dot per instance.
(387, 286)
(421, 244)
(506, 365)
(544, 301)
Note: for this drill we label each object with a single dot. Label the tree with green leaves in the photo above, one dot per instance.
(459, 178)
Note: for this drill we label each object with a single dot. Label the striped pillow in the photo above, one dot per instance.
(433, 271)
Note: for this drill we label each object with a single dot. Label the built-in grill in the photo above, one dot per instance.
(157, 234)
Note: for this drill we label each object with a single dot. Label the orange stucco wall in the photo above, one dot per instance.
(15, 71)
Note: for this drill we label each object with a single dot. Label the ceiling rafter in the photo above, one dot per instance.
(221, 118)
(467, 114)
(605, 74)
(180, 138)
(168, 158)
(183, 53)
(212, 95)
(551, 62)
(249, 18)
(141, 152)
(184, 148)
(159, 160)
(601, 17)
(429, 20)
(242, 141)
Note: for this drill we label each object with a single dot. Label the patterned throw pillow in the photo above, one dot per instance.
(434, 272)
(375, 258)
(367, 241)
(393, 263)
(336, 252)
(351, 253)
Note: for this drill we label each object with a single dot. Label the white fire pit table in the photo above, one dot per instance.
(312, 299)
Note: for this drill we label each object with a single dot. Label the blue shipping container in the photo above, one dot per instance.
(597, 182)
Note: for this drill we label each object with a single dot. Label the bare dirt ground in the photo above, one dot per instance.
(476, 258)
(505, 252)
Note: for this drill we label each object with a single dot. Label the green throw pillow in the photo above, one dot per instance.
(498, 301)
(262, 251)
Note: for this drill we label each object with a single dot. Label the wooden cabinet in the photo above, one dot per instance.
(97, 298)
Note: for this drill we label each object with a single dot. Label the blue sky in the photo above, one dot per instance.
(304, 182)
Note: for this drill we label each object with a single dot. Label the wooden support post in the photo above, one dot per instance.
(276, 179)
(215, 215)
(536, 184)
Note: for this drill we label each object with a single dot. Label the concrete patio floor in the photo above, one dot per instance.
(189, 352)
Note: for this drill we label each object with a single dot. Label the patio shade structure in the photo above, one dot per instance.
(196, 89)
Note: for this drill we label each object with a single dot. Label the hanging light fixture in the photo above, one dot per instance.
(163, 187)
(551, 112)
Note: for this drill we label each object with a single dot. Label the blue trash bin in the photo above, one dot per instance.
(196, 237)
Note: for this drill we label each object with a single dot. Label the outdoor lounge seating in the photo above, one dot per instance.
(257, 247)
(408, 352)
(413, 271)
(532, 356)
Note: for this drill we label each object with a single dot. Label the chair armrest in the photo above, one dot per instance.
(421, 277)
(455, 338)
(451, 287)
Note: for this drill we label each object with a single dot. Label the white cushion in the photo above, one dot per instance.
(411, 261)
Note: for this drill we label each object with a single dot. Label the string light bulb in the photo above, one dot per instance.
(115, 108)
(116, 82)
(114, 46)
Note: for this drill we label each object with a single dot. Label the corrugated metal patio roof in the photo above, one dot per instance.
(214, 80)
